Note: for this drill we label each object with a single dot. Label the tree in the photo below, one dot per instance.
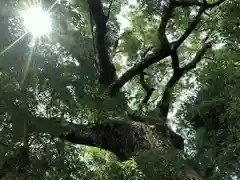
(73, 78)
(213, 115)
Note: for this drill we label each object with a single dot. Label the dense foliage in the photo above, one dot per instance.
(145, 89)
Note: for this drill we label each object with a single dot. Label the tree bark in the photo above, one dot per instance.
(107, 69)
(124, 138)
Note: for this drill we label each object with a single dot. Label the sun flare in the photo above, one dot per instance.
(37, 21)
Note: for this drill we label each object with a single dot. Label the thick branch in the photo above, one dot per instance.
(161, 53)
(176, 140)
(123, 138)
(149, 90)
(197, 58)
(190, 28)
(164, 50)
(108, 71)
(175, 60)
(167, 14)
(186, 3)
(193, 25)
(158, 55)
(165, 102)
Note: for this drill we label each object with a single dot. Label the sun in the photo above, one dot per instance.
(37, 21)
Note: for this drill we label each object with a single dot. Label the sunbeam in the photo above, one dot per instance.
(28, 62)
(11, 45)
(38, 23)
(52, 6)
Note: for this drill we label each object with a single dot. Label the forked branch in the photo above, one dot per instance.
(166, 48)
(165, 102)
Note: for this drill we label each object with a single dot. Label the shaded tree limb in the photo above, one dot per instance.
(186, 3)
(167, 94)
(175, 61)
(165, 102)
(176, 140)
(149, 90)
(190, 28)
(107, 69)
(123, 138)
(191, 65)
(166, 16)
(109, 9)
(193, 25)
(158, 55)
(163, 51)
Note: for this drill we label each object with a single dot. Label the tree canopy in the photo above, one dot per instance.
(117, 89)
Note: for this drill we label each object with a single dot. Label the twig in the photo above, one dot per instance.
(109, 10)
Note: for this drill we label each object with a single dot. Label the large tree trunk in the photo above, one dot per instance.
(124, 138)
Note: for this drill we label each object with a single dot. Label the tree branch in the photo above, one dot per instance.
(167, 14)
(149, 90)
(186, 3)
(197, 57)
(109, 9)
(165, 102)
(190, 28)
(165, 49)
(176, 140)
(158, 55)
(175, 61)
(145, 52)
(123, 138)
(107, 69)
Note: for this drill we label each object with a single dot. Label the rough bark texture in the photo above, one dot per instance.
(107, 69)
(124, 138)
